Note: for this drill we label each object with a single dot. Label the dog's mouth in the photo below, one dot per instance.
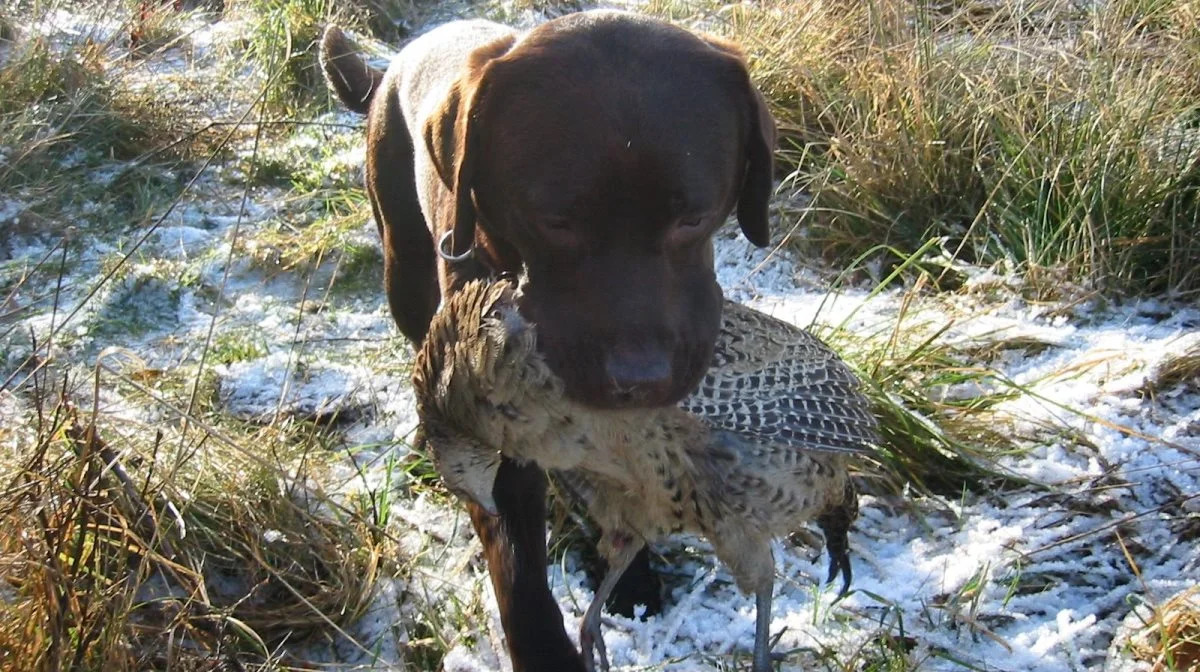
(584, 371)
(608, 364)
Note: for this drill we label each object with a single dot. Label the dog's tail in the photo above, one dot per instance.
(352, 79)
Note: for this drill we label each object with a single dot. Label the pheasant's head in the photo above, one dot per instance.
(468, 467)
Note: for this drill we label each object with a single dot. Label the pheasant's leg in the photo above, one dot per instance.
(746, 550)
(624, 549)
(762, 628)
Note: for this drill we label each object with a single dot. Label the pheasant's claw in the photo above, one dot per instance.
(839, 563)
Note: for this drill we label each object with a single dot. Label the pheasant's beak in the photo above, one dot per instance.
(480, 490)
(468, 469)
(475, 485)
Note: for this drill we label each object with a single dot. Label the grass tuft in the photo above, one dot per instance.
(936, 403)
(70, 114)
(55, 102)
(1170, 641)
(281, 42)
(287, 246)
(1178, 369)
(128, 549)
(1043, 134)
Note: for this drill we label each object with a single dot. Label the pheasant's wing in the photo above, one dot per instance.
(773, 382)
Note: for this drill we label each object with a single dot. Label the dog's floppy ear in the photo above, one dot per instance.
(451, 137)
(758, 180)
(755, 197)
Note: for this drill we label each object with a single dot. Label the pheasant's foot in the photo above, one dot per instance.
(839, 563)
(621, 548)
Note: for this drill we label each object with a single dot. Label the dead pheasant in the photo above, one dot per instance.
(758, 451)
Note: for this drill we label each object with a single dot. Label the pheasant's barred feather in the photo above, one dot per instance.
(778, 384)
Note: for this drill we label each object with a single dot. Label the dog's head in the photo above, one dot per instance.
(603, 150)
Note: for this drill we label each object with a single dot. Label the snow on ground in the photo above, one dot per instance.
(1026, 579)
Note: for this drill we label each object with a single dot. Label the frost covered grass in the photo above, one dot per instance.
(69, 111)
(281, 39)
(128, 541)
(235, 481)
(1041, 134)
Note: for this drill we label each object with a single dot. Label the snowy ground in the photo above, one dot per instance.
(1038, 578)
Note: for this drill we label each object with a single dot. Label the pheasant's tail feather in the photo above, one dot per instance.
(826, 427)
(752, 337)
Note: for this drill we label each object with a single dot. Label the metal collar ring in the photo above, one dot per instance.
(453, 258)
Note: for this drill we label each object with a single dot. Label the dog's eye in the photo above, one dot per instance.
(560, 230)
(688, 229)
(557, 226)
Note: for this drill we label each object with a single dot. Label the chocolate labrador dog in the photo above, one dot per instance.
(598, 153)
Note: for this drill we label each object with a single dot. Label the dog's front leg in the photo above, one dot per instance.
(514, 544)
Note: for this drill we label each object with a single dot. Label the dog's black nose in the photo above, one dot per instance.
(639, 375)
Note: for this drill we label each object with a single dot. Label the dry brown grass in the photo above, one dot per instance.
(1040, 134)
(124, 548)
(1171, 640)
(1177, 369)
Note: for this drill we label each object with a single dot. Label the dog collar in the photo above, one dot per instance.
(470, 254)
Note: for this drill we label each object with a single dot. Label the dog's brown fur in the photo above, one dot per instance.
(598, 153)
